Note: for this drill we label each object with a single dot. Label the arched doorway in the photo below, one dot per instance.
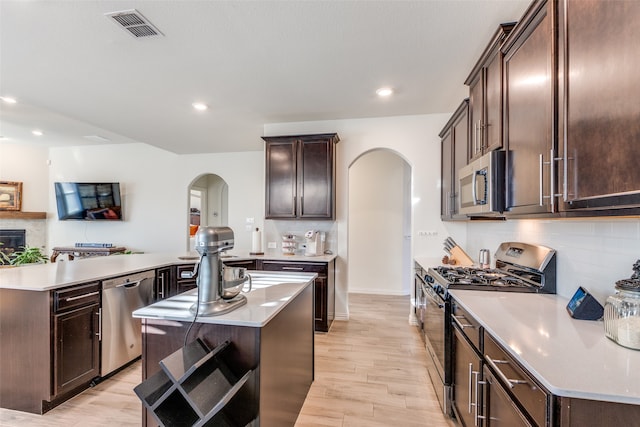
(379, 230)
(208, 204)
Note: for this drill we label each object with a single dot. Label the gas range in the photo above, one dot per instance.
(520, 267)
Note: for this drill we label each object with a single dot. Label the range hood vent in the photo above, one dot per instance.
(134, 23)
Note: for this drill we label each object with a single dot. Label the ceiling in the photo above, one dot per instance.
(76, 73)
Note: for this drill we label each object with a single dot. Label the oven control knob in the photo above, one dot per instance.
(438, 289)
(428, 278)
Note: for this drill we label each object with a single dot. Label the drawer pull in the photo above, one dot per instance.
(293, 268)
(461, 325)
(494, 364)
(90, 294)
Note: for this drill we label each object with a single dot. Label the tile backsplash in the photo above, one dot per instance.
(590, 253)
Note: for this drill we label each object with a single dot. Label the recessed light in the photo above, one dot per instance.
(37, 132)
(199, 106)
(8, 99)
(384, 92)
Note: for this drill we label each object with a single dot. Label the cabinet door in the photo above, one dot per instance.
(476, 116)
(315, 179)
(446, 177)
(600, 103)
(529, 115)
(320, 314)
(460, 155)
(466, 376)
(492, 129)
(249, 264)
(76, 348)
(281, 179)
(500, 410)
(162, 287)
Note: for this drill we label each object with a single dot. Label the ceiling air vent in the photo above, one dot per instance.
(133, 21)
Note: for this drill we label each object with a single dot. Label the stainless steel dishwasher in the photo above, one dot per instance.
(121, 334)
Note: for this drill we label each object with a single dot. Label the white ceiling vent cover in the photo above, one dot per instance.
(133, 21)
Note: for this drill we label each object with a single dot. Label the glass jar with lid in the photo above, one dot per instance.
(622, 314)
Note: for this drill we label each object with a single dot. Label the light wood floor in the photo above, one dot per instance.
(370, 371)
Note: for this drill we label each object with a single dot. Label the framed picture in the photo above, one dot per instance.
(10, 196)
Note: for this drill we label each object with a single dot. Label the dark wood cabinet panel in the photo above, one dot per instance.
(500, 409)
(324, 287)
(249, 264)
(162, 286)
(281, 178)
(454, 144)
(76, 348)
(485, 96)
(529, 112)
(300, 176)
(599, 104)
(467, 373)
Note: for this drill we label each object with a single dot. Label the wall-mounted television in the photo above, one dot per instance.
(89, 201)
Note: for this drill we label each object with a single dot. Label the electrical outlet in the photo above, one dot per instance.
(427, 233)
(272, 245)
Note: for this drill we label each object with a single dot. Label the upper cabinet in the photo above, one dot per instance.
(300, 176)
(599, 113)
(454, 140)
(485, 97)
(529, 109)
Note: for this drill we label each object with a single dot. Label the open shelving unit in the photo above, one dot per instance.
(199, 387)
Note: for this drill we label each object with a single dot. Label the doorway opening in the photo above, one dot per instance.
(208, 205)
(379, 224)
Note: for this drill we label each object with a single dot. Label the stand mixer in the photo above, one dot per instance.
(218, 292)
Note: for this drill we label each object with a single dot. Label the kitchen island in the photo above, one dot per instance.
(271, 338)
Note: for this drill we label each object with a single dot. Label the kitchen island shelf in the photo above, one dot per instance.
(194, 387)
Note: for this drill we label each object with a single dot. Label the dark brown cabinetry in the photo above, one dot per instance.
(76, 340)
(485, 97)
(300, 176)
(599, 109)
(467, 367)
(249, 264)
(324, 287)
(181, 284)
(529, 112)
(165, 276)
(454, 139)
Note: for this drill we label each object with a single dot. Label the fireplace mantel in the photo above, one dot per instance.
(22, 215)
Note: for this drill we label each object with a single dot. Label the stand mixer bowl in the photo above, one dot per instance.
(233, 280)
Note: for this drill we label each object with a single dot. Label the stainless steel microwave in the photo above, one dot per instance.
(482, 185)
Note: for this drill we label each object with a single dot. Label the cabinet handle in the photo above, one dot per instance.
(461, 325)
(129, 284)
(476, 403)
(470, 385)
(99, 314)
(161, 290)
(77, 297)
(540, 181)
(293, 268)
(494, 364)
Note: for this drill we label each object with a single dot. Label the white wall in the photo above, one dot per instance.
(376, 210)
(155, 186)
(26, 164)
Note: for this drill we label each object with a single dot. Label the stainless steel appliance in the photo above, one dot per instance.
(481, 185)
(314, 243)
(120, 333)
(216, 294)
(520, 267)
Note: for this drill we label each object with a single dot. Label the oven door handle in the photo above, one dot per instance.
(430, 294)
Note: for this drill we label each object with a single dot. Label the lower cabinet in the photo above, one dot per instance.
(467, 376)
(180, 285)
(500, 408)
(165, 276)
(324, 312)
(76, 337)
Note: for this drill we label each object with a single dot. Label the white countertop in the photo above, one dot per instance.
(44, 277)
(271, 292)
(570, 357)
